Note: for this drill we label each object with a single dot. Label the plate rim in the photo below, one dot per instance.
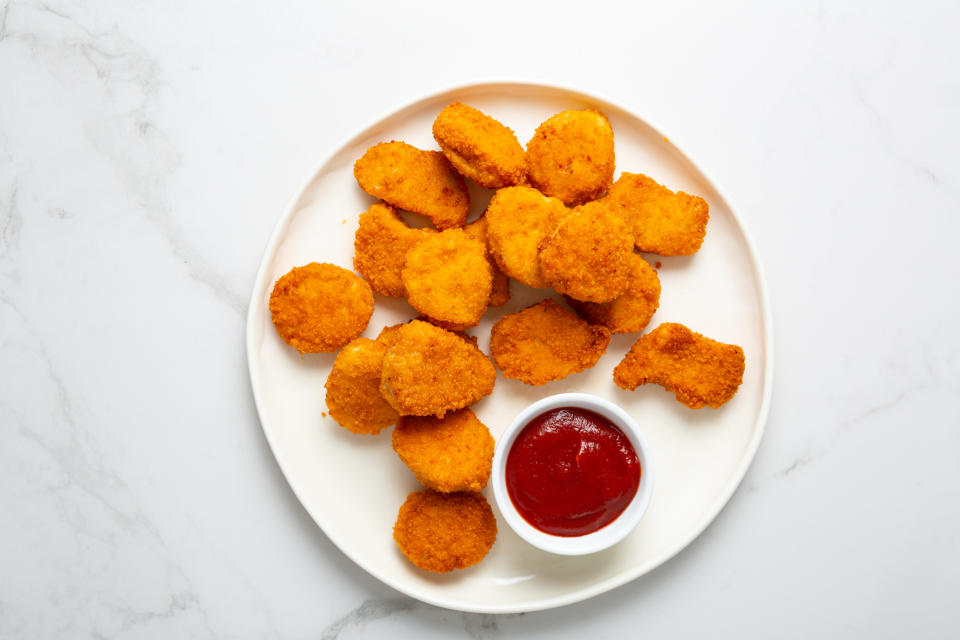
(577, 595)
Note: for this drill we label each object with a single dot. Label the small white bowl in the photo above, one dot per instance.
(591, 542)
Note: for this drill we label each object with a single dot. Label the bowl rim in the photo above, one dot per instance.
(606, 536)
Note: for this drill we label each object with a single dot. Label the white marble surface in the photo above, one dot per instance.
(146, 150)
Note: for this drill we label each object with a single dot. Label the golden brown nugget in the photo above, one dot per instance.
(699, 371)
(353, 388)
(571, 156)
(380, 247)
(587, 257)
(414, 180)
(664, 222)
(448, 277)
(453, 453)
(320, 307)
(429, 371)
(545, 342)
(632, 310)
(441, 532)
(518, 218)
(500, 292)
(479, 147)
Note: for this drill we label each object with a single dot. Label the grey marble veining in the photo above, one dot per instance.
(376, 614)
(146, 151)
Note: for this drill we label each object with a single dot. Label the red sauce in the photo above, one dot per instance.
(571, 472)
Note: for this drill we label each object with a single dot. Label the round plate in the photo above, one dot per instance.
(353, 486)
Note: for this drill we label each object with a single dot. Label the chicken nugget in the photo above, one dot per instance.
(320, 307)
(631, 310)
(479, 147)
(429, 371)
(380, 247)
(545, 342)
(441, 532)
(571, 156)
(500, 292)
(664, 222)
(353, 388)
(518, 218)
(587, 256)
(448, 277)
(414, 180)
(453, 453)
(699, 371)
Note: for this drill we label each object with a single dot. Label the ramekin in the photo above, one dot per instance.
(608, 535)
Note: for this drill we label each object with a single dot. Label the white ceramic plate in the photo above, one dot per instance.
(353, 486)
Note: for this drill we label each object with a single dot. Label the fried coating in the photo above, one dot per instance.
(632, 310)
(414, 180)
(518, 218)
(699, 371)
(441, 532)
(545, 342)
(429, 371)
(448, 277)
(587, 256)
(353, 388)
(380, 247)
(571, 156)
(664, 222)
(479, 147)
(320, 307)
(453, 453)
(500, 293)
(388, 334)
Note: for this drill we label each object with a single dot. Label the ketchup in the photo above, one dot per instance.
(571, 472)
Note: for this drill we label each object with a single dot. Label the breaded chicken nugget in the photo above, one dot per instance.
(664, 222)
(571, 156)
(631, 310)
(353, 388)
(587, 256)
(429, 371)
(441, 532)
(448, 277)
(380, 247)
(453, 453)
(545, 342)
(479, 147)
(698, 370)
(500, 293)
(518, 218)
(414, 180)
(320, 307)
